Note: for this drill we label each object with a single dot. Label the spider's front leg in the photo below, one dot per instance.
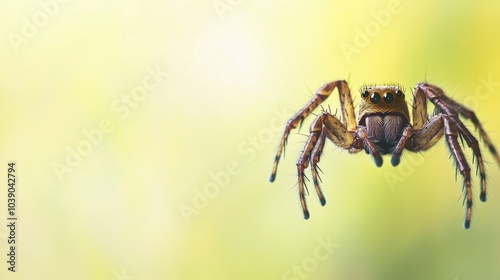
(324, 126)
(320, 96)
(428, 135)
(429, 132)
(465, 112)
(453, 109)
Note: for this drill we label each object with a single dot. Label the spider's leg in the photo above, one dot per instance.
(315, 157)
(336, 132)
(427, 132)
(427, 136)
(398, 151)
(325, 125)
(452, 108)
(419, 105)
(451, 133)
(473, 143)
(453, 127)
(303, 161)
(470, 115)
(362, 134)
(320, 96)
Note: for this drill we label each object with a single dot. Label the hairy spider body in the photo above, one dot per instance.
(383, 127)
(384, 113)
(384, 130)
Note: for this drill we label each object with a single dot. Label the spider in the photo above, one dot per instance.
(383, 127)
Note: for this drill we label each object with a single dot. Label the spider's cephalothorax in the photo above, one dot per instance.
(383, 127)
(384, 113)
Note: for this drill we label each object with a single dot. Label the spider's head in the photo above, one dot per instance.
(382, 99)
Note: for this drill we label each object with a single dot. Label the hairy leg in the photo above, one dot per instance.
(324, 126)
(363, 139)
(398, 151)
(320, 96)
(452, 108)
(451, 132)
(468, 114)
(419, 111)
(315, 157)
(427, 136)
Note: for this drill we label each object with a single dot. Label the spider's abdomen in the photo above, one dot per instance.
(385, 130)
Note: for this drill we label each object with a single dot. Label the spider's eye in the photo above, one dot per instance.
(399, 93)
(388, 97)
(365, 94)
(375, 98)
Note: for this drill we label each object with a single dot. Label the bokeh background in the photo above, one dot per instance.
(144, 132)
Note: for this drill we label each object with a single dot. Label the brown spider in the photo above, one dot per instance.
(383, 127)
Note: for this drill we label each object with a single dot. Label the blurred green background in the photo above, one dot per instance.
(144, 133)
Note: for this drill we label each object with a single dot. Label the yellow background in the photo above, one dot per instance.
(236, 71)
